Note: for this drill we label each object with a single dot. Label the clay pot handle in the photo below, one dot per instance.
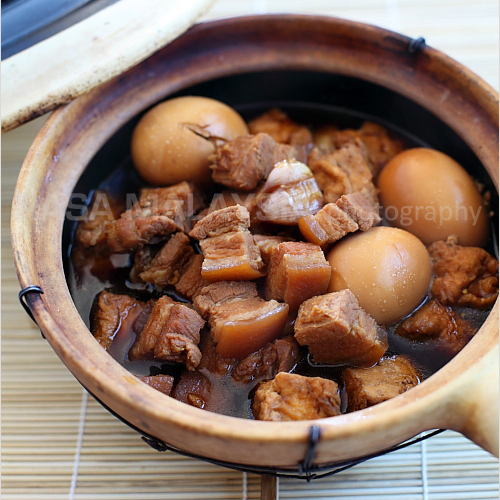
(478, 404)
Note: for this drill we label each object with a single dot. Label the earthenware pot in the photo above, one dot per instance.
(270, 58)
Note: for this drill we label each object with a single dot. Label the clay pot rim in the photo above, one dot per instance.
(125, 391)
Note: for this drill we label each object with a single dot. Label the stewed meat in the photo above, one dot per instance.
(352, 160)
(283, 130)
(229, 251)
(297, 271)
(294, 397)
(171, 333)
(191, 281)
(225, 220)
(162, 383)
(348, 214)
(157, 213)
(278, 356)
(267, 243)
(379, 144)
(338, 331)
(387, 379)
(435, 321)
(240, 321)
(221, 291)
(464, 276)
(101, 213)
(247, 160)
(193, 389)
(168, 264)
(113, 312)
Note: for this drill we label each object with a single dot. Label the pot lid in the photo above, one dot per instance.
(56, 51)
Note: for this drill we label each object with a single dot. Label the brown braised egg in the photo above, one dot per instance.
(387, 269)
(429, 194)
(173, 141)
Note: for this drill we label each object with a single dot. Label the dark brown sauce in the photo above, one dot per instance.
(89, 273)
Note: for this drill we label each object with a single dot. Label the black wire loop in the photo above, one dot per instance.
(416, 45)
(306, 465)
(305, 470)
(24, 303)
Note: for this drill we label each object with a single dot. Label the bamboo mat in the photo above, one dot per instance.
(58, 443)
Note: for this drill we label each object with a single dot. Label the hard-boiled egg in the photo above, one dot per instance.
(173, 141)
(387, 269)
(429, 194)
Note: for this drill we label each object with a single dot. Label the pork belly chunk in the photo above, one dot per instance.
(231, 256)
(240, 321)
(229, 250)
(463, 276)
(380, 145)
(348, 214)
(338, 331)
(114, 312)
(343, 171)
(191, 281)
(101, 213)
(162, 383)
(267, 243)
(225, 220)
(284, 130)
(369, 386)
(297, 271)
(360, 210)
(171, 333)
(294, 397)
(221, 291)
(158, 213)
(244, 162)
(278, 356)
(435, 321)
(193, 389)
(168, 264)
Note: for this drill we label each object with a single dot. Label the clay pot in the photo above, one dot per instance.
(463, 395)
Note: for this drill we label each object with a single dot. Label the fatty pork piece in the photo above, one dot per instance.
(387, 379)
(101, 213)
(343, 171)
(240, 321)
(289, 193)
(294, 397)
(158, 213)
(380, 146)
(435, 321)
(338, 331)
(114, 312)
(278, 356)
(297, 271)
(267, 243)
(229, 251)
(193, 389)
(191, 281)
(162, 383)
(283, 130)
(171, 333)
(247, 160)
(350, 213)
(463, 276)
(166, 267)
